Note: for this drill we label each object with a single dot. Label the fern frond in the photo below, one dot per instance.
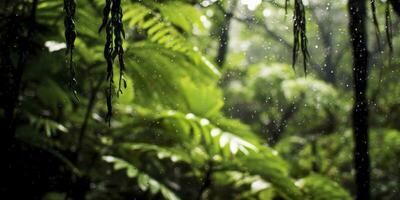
(159, 30)
(145, 182)
(186, 19)
(162, 78)
(228, 150)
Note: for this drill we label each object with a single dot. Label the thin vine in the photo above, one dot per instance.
(112, 22)
(70, 36)
(388, 28)
(286, 6)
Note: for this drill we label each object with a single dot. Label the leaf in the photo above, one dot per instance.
(257, 165)
(143, 181)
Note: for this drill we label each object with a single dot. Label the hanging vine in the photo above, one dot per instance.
(112, 22)
(299, 33)
(70, 35)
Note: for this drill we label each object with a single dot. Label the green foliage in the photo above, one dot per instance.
(144, 181)
(160, 31)
(321, 188)
(226, 150)
(183, 129)
(187, 18)
(335, 162)
(166, 74)
(279, 100)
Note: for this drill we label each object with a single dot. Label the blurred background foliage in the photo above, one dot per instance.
(190, 125)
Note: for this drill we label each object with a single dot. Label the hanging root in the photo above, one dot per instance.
(299, 34)
(70, 35)
(113, 48)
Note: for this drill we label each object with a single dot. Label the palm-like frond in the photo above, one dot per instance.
(163, 32)
(228, 150)
(165, 79)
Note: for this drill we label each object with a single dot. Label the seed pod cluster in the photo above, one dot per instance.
(112, 22)
(70, 35)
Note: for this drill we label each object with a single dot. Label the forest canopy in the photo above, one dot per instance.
(200, 99)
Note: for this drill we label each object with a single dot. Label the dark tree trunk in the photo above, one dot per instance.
(325, 30)
(396, 6)
(206, 180)
(223, 40)
(329, 68)
(357, 14)
(275, 130)
(17, 28)
(13, 39)
(224, 35)
(315, 154)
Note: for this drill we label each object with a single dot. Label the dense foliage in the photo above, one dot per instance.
(139, 110)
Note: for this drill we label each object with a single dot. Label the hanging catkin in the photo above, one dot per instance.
(113, 48)
(299, 33)
(70, 35)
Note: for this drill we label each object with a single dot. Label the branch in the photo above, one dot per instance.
(16, 74)
(89, 109)
(273, 36)
(396, 6)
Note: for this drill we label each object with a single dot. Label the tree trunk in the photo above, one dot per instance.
(223, 41)
(224, 35)
(275, 130)
(206, 180)
(325, 30)
(357, 14)
(16, 32)
(396, 6)
(315, 154)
